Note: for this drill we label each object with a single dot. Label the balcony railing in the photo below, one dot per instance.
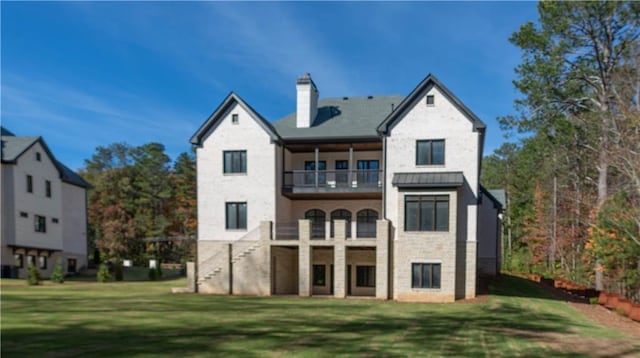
(334, 179)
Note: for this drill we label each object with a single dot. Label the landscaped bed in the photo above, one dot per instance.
(144, 319)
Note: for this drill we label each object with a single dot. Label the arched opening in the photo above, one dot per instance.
(317, 218)
(366, 224)
(341, 214)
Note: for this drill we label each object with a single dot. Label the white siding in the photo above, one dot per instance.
(37, 203)
(74, 220)
(257, 187)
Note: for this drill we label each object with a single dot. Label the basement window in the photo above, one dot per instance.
(430, 101)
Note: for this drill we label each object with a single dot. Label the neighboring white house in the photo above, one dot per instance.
(44, 211)
(354, 196)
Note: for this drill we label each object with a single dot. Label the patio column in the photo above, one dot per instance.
(304, 258)
(382, 259)
(339, 258)
(350, 176)
(317, 154)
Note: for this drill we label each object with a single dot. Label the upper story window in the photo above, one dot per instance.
(40, 223)
(29, 184)
(234, 119)
(235, 161)
(430, 152)
(426, 213)
(47, 187)
(430, 101)
(38, 156)
(236, 216)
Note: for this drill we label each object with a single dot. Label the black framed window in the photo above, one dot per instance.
(425, 275)
(430, 152)
(235, 161)
(319, 275)
(29, 184)
(47, 188)
(40, 223)
(236, 216)
(23, 214)
(38, 156)
(55, 220)
(426, 213)
(317, 218)
(19, 260)
(31, 260)
(342, 171)
(365, 276)
(430, 100)
(341, 214)
(234, 119)
(42, 262)
(366, 224)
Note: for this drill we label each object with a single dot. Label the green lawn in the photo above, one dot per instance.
(143, 319)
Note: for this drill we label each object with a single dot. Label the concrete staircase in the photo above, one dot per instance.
(208, 269)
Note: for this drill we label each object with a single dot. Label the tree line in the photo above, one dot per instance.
(141, 206)
(573, 182)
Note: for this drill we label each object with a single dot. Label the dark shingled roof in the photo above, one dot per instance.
(13, 147)
(428, 180)
(353, 117)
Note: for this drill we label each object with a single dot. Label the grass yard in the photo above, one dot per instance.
(143, 319)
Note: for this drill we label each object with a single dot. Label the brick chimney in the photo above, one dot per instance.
(306, 101)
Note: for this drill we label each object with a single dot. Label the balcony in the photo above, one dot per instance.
(311, 184)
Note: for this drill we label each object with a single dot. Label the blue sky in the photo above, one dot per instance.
(85, 74)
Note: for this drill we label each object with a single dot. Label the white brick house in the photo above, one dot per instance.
(44, 212)
(366, 196)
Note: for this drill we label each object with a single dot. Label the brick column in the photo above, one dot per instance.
(304, 258)
(339, 258)
(382, 259)
(471, 264)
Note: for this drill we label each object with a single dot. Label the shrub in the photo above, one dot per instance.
(57, 275)
(33, 276)
(103, 273)
(153, 275)
(620, 311)
(118, 271)
(593, 300)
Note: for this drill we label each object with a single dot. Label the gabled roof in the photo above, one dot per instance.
(215, 117)
(428, 180)
(13, 147)
(417, 93)
(346, 117)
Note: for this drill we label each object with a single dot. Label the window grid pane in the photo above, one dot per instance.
(235, 161)
(430, 152)
(425, 275)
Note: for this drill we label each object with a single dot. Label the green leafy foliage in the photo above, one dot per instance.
(118, 271)
(33, 275)
(57, 275)
(103, 273)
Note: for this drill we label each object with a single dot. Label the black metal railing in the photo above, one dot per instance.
(364, 178)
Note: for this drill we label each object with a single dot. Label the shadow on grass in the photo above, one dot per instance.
(113, 320)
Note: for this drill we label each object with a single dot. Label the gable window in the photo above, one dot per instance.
(425, 275)
(29, 184)
(42, 262)
(236, 216)
(38, 156)
(23, 214)
(430, 100)
(319, 274)
(234, 119)
(426, 213)
(55, 220)
(47, 187)
(19, 260)
(430, 152)
(40, 223)
(365, 276)
(235, 161)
